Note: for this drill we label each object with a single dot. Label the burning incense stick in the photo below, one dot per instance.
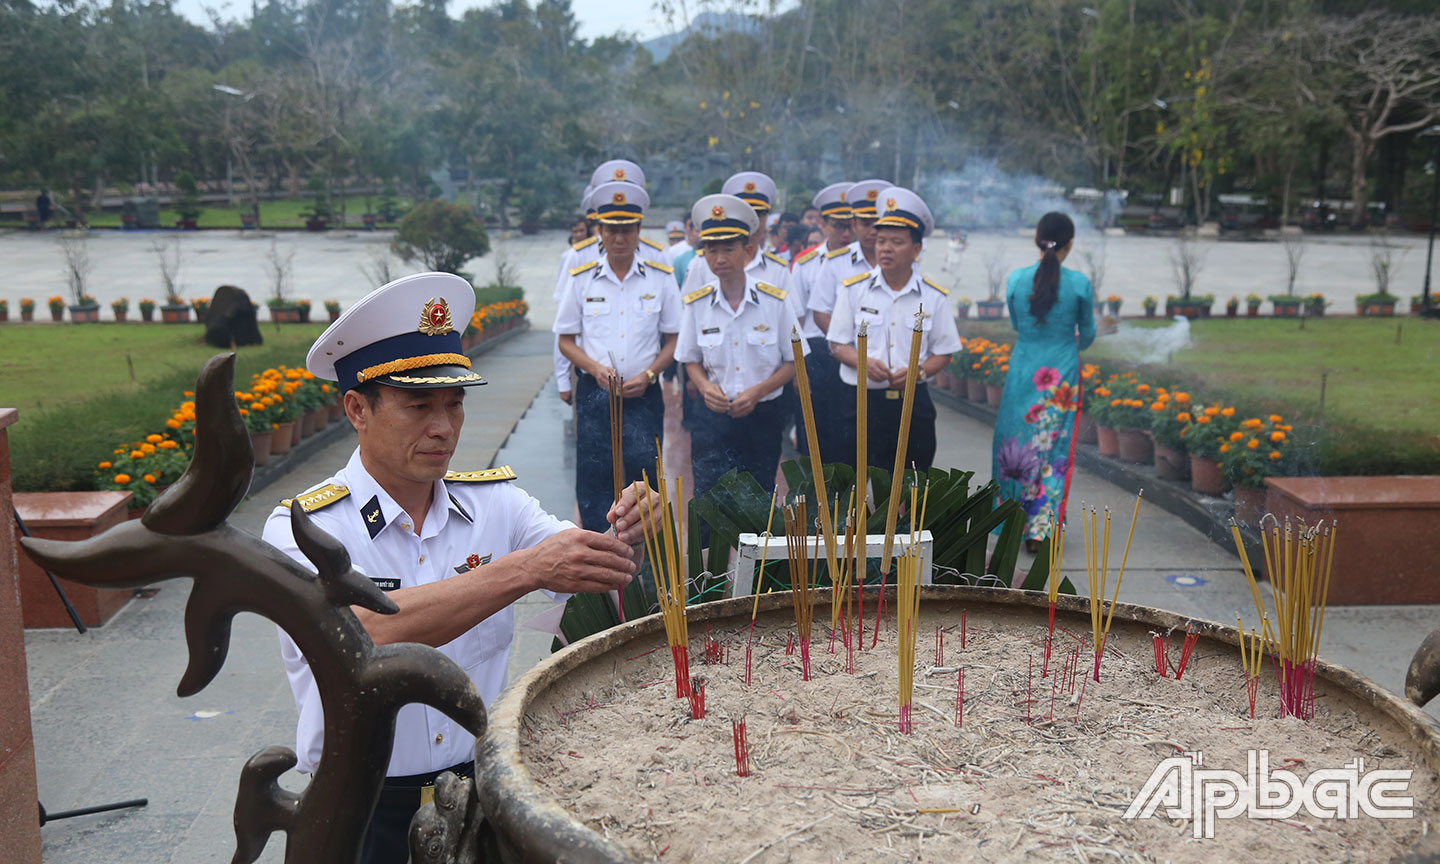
(663, 544)
(617, 448)
(907, 407)
(1052, 585)
(1190, 639)
(759, 578)
(1299, 562)
(802, 575)
(1097, 560)
(802, 391)
(907, 605)
(742, 748)
(862, 459)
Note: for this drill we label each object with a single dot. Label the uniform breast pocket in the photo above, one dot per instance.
(761, 338)
(712, 337)
(648, 304)
(485, 640)
(596, 306)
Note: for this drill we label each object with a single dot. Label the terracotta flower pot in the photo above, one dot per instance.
(120, 316)
(1205, 476)
(1171, 464)
(1108, 442)
(1249, 505)
(1135, 446)
(27, 314)
(993, 394)
(337, 412)
(177, 314)
(147, 315)
(284, 438)
(295, 435)
(975, 389)
(57, 315)
(322, 417)
(260, 442)
(1252, 311)
(1085, 429)
(307, 424)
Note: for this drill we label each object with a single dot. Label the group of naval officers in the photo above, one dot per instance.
(720, 307)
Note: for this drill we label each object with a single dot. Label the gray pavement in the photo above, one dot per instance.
(109, 726)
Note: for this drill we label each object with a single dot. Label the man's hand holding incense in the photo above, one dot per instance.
(625, 513)
(575, 561)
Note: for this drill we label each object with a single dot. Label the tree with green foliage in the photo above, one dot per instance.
(441, 235)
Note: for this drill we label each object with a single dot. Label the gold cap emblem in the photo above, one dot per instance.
(842, 198)
(889, 203)
(619, 173)
(618, 198)
(873, 194)
(435, 317)
(750, 186)
(717, 211)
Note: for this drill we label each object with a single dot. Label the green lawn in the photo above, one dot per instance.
(1382, 399)
(286, 213)
(78, 399)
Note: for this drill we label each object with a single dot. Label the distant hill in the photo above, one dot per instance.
(704, 23)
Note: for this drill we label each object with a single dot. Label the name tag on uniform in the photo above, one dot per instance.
(869, 311)
(709, 330)
(595, 299)
(385, 583)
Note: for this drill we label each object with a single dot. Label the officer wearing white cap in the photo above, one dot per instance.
(453, 549)
(887, 301)
(836, 444)
(758, 191)
(735, 342)
(858, 258)
(625, 171)
(567, 261)
(624, 312)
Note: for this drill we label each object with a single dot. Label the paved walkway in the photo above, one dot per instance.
(108, 725)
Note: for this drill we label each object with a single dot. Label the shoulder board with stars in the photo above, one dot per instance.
(489, 475)
(936, 286)
(777, 259)
(836, 253)
(698, 293)
(808, 256)
(767, 288)
(652, 244)
(663, 268)
(858, 277)
(586, 243)
(576, 271)
(320, 498)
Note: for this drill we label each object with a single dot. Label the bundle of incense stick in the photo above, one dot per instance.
(1299, 559)
(840, 590)
(1097, 565)
(664, 544)
(802, 392)
(617, 432)
(759, 578)
(907, 605)
(1052, 585)
(1250, 659)
(907, 408)
(803, 575)
(861, 512)
(742, 747)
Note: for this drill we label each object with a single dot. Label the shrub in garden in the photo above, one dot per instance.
(1256, 450)
(441, 235)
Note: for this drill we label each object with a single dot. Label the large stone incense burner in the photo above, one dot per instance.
(591, 757)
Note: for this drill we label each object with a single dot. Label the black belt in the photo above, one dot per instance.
(464, 771)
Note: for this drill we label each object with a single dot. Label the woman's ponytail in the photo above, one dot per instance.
(1054, 233)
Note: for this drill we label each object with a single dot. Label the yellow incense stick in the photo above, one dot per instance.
(907, 407)
(1123, 558)
(862, 420)
(764, 553)
(802, 391)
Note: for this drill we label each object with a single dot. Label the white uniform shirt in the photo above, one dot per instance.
(489, 520)
(803, 277)
(623, 317)
(764, 267)
(739, 347)
(891, 319)
(838, 266)
(675, 251)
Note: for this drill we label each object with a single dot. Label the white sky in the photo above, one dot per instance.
(594, 17)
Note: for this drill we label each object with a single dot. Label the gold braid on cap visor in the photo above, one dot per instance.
(896, 222)
(408, 363)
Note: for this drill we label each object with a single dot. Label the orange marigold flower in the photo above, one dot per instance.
(1211, 411)
(147, 448)
(149, 478)
(1237, 436)
(1275, 418)
(1253, 443)
(1102, 391)
(1277, 436)
(104, 465)
(1157, 406)
(189, 394)
(1286, 427)
(1115, 403)
(154, 439)
(137, 454)
(1275, 456)
(122, 479)
(1183, 398)
(1183, 417)
(1143, 388)
(1203, 418)
(1224, 448)
(168, 445)
(244, 413)
(173, 423)
(1228, 412)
